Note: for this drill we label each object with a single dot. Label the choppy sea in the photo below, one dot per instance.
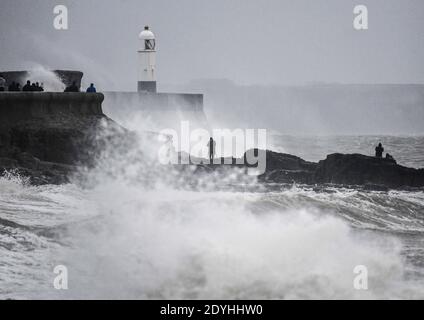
(120, 239)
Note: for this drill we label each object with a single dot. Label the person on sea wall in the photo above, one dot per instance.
(27, 86)
(38, 87)
(2, 83)
(91, 88)
(14, 87)
(379, 151)
(72, 88)
(211, 146)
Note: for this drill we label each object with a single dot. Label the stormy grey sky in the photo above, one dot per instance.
(250, 42)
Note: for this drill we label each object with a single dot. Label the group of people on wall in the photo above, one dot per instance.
(16, 86)
(28, 87)
(38, 87)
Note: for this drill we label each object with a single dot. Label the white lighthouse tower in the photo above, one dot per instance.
(147, 61)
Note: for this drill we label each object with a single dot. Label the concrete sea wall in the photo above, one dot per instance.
(18, 106)
(167, 110)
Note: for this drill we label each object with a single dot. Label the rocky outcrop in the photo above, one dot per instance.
(286, 168)
(342, 169)
(346, 170)
(357, 169)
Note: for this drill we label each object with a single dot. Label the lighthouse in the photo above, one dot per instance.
(147, 61)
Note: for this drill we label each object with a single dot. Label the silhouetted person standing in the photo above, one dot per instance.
(379, 151)
(211, 146)
(27, 87)
(91, 88)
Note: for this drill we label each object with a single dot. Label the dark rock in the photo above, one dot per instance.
(345, 170)
(282, 161)
(285, 168)
(8, 163)
(341, 170)
(357, 169)
(288, 162)
(288, 176)
(376, 187)
(27, 160)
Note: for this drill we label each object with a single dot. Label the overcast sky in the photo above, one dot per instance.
(249, 42)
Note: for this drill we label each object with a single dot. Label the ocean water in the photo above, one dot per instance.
(120, 237)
